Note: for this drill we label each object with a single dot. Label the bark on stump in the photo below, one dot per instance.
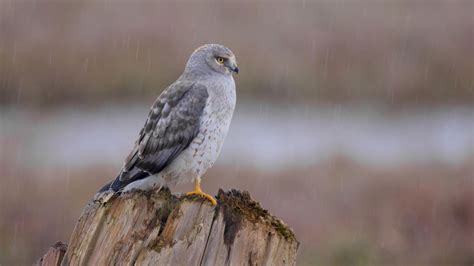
(158, 228)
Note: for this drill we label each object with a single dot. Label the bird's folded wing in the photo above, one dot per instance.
(173, 122)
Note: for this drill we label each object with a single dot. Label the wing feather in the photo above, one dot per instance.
(172, 124)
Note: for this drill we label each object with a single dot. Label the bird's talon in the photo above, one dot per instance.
(204, 195)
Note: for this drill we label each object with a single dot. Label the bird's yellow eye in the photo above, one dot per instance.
(220, 60)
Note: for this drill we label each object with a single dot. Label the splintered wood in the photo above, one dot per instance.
(157, 228)
(54, 256)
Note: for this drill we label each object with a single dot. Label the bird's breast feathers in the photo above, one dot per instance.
(204, 150)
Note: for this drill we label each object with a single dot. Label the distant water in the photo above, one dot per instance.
(262, 135)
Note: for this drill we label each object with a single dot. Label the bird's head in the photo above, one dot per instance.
(212, 58)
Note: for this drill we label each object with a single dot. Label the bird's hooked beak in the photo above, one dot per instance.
(236, 70)
(233, 65)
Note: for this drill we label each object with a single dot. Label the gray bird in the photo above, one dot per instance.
(186, 126)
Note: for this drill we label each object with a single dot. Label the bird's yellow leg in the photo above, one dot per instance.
(198, 191)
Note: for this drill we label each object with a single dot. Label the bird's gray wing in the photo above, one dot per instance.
(173, 122)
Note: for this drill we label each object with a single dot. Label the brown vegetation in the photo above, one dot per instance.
(388, 51)
(404, 214)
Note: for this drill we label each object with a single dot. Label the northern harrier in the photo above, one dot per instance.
(183, 134)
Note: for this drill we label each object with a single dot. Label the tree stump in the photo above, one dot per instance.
(54, 256)
(158, 228)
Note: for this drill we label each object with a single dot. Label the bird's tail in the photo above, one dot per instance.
(117, 184)
(106, 187)
(109, 190)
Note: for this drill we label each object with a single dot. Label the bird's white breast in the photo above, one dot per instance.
(214, 124)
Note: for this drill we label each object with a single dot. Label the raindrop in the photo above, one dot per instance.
(137, 50)
(50, 58)
(14, 54)
(85, 66)
(325, 67)
(127, 42)
(148, 65)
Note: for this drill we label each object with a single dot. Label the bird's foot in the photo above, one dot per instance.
(204, 195)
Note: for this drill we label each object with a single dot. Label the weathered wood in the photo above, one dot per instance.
(54, 256)
(157, 228)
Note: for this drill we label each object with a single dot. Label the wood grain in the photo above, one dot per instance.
(158, 228)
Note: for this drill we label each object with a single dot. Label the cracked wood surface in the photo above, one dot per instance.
(53, 256)
(157, 228)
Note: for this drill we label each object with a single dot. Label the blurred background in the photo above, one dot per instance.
(354, 121)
